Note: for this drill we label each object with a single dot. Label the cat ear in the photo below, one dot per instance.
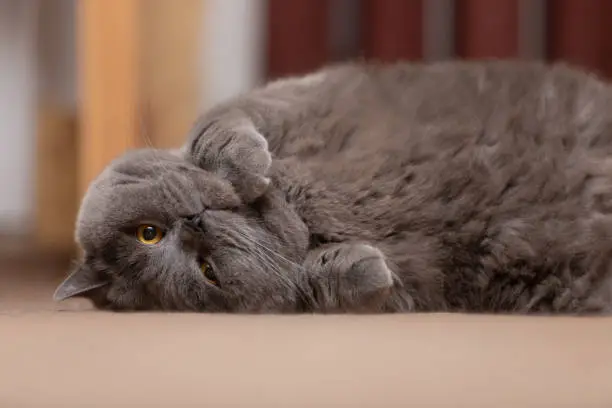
(78, 284)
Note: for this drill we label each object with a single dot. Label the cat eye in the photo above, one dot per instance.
(209, 273)
(149, 234)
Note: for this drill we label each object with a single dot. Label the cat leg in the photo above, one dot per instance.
(349, 278)
(234, 138)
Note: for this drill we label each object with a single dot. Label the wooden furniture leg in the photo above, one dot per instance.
(138, 73)
(108, 56)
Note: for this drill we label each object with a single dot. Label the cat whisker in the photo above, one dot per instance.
(278, 254)
(270, 251)
(267, 255)
(275, 268)
(143, 132)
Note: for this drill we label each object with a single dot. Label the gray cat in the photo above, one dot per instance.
(458, 186)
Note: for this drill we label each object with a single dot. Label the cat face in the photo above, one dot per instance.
(159, 233)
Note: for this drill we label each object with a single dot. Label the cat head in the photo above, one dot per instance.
(157, 232)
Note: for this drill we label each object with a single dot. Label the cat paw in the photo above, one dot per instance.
(236, 152)
(366, 268)
(353, 277)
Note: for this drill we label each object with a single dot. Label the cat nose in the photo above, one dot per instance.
(193, 223)
(188, 233)
(193, 218)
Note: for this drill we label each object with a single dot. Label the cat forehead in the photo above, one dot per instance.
(148, 184)
(148, 166)
(141, 162)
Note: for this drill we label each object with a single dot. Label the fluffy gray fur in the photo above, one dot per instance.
(458, 186)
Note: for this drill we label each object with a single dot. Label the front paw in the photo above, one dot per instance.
(352, 277)
(236, 152)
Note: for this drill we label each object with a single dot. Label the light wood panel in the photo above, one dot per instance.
(109, 53)
(56, 179)
(170, 69)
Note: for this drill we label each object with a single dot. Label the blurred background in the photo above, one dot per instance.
(83, 80)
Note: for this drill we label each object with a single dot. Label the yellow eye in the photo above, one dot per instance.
(149, 234)
(209, 273)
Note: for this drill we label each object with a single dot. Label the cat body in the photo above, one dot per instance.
(457, 186)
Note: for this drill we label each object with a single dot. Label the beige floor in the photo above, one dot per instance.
(70, 356)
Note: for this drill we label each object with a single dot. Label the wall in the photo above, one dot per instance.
(18, 21)
(232, 39)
